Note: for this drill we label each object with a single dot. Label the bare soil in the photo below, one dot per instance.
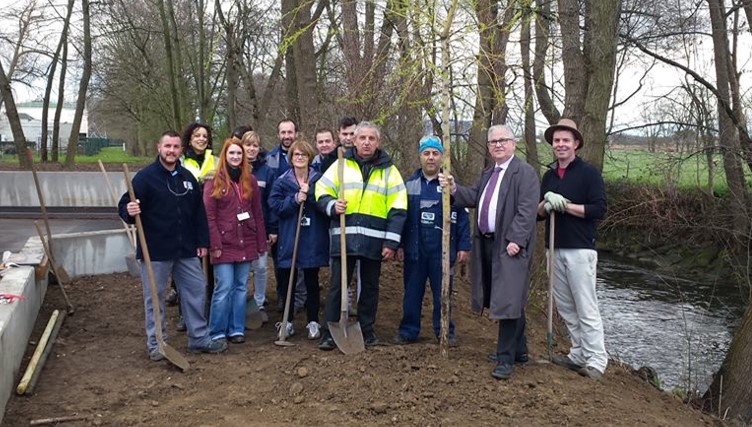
(99, 369)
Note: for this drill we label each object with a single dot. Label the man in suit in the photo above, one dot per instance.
(506, 196)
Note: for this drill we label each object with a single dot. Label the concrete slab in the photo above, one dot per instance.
(15, 232)
(60, 188)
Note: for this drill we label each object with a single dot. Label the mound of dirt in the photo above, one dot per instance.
(99, 369)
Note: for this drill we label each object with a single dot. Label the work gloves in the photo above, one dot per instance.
(555, 201)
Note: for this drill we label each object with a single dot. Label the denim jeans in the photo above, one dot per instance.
(227, 316)
(191, 287)
(258, 268)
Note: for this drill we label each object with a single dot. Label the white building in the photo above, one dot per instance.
(30, 114)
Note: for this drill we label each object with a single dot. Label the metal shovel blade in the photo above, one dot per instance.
(133, 268)
(173, 356)
(349, 338)
(253, 318)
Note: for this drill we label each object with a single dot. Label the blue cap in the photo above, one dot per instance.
(430, 142)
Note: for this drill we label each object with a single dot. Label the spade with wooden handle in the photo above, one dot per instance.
(172, 355)
(57, 270)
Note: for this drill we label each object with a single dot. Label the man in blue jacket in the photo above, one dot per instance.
(170, 204)
(421, 243)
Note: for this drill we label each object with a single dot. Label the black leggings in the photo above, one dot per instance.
(311, 278)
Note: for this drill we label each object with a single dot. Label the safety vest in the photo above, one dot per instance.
(376, 209)
(206, 168)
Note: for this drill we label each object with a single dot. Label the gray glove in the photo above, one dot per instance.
(548, 207)
(557, 201)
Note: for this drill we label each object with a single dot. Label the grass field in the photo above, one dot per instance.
(106, 155)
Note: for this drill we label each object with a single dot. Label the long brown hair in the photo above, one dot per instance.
(222, 177)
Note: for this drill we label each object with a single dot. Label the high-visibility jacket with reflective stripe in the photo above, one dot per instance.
(200, 171)
(376, 207)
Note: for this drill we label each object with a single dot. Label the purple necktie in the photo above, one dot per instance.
(483, 220)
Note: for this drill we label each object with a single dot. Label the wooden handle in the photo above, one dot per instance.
(342, 237)
(147, 261)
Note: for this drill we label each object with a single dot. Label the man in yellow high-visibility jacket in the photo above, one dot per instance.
(375, 209)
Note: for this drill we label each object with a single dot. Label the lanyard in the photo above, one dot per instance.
(236, 187)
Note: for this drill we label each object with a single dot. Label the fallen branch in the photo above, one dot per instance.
(56, 420)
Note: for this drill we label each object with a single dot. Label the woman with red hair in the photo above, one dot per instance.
(236, 237)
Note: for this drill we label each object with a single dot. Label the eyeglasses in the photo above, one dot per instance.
(501, 141)
(300, 155)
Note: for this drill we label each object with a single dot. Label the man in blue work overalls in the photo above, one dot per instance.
(421, 242)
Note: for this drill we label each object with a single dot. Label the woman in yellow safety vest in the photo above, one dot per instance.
(197, 154)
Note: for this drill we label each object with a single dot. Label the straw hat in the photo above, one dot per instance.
(564, 124)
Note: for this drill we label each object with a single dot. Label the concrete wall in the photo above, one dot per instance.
(94, 252)
(16, 322)
(60, 189)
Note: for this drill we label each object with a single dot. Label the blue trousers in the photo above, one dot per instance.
(191, 287)
(227, 314)
(415, 275)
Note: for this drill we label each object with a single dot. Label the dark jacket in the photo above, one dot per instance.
(423, 227)
(276, 160)
(506, 294)
(313, 244)
(583, 185)
(265, 177)
(172, 212)
(239, 241)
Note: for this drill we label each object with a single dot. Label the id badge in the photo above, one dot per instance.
(305, 221)
(243, 216)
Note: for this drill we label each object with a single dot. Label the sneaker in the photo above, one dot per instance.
(155, 355)
(237, 339)
(590, 372)
(313, 330)
(264, 316)
(290, 331)
(213, 347)
(172, 297)
(181, 324)
(566, 362)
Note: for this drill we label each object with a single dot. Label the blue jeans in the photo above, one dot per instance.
(191, 287)
(227, 314)
(258, 268)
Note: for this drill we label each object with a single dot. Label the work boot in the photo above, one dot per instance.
(313, 330)
(237, 339)
(264, 316)
(370, 340)
(401, 340)
(520, 359)
(155, 355)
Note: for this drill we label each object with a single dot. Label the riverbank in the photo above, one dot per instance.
(99, 369)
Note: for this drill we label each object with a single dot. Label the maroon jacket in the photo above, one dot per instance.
(240, 241)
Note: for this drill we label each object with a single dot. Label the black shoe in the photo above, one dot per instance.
(237, 339)
(519, 359)
(371, 340)
(280, 306)
(502, 371)
(566, 362)
(327, 344)
(400, 340)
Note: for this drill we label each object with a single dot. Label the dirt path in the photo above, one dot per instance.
(99, 368)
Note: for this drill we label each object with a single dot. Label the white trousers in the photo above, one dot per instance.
(577, 303)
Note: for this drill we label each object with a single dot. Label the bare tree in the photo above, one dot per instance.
(83, 86)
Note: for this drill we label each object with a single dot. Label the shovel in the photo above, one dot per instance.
(57, 270)
(282, 338)
(349, 338)
(550, 313)
(163, 348)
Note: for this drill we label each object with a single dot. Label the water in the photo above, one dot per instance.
(681, 328)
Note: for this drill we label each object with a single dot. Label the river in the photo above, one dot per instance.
(681, 328)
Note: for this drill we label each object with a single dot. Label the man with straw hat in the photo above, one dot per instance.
(574, 190)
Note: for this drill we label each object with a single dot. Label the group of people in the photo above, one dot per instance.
(236, 207)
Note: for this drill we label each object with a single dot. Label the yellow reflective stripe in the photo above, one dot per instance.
(395, 189)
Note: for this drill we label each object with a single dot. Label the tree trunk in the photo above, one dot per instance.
(542, 89)
(19, 139)
(291, 74)
(305, 68)
(70, 155)
(171, 67)
(531, 148)
(60, 103)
